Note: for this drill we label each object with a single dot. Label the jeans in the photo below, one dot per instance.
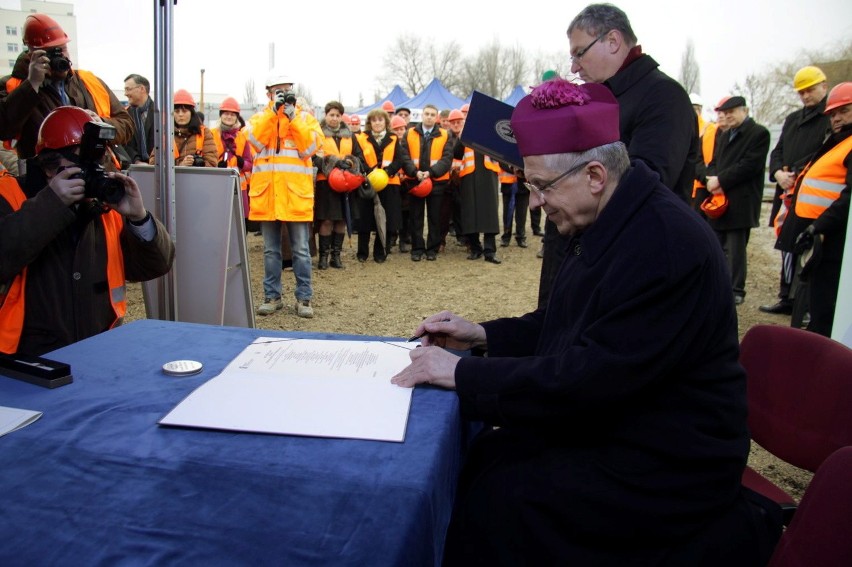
(299, 234)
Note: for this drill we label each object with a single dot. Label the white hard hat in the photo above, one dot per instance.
(278, 78)
(695, 99)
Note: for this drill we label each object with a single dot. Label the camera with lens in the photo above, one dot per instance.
(58, 61)
(197, 161)
(282, 98)
(93, 146)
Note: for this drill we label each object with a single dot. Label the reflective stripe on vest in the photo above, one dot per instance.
(370, 154)
(469, 163)
(436, 149)
(823, 181)
(507, 178)
(12, 300)
(331, 149)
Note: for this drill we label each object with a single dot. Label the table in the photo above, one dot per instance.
(96, 481)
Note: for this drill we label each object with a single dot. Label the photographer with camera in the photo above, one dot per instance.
(285, 138)
(193, 144)
(69, 239)
(43, 79)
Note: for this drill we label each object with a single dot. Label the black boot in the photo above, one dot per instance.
(336, 248)
(324, 249)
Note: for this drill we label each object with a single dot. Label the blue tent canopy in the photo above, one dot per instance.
(397, 96)
(434, 93)
(515, 96)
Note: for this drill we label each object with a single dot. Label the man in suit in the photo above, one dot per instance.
(737, 170)
(137, 89)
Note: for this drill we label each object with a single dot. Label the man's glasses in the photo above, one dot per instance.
(131, 89)
(579, 55)
(540, 191)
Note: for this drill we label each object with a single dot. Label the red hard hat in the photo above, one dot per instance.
(337, 180)
(230, 104)
(398, 122)
(715, 205)
(841, 95)
(353, 181)
(182, 96)
(40, 31)
(465, 107)
(62, 128)
(388, 106)
(422, 189)
(354, 120)
(455, 114)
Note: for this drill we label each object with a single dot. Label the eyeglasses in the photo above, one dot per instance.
(131, 89)
(540, 191)
(579, 55)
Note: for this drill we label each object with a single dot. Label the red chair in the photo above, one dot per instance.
(820, 531)
(799, 400)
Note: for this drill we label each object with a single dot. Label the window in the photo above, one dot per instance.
(12, 47)
(11, 62)
(11, 30)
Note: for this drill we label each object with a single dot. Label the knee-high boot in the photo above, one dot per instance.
(336, 248)
(324, 249)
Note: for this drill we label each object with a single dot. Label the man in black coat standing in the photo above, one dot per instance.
(802, 134)
(737, 170)
(137, 89)
(656, 120)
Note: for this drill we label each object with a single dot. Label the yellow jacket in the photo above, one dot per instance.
(282, 183)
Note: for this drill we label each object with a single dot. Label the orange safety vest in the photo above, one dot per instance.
(468, 163)
(240, 141)
(506, 177)
(372, 159)
(708, 143)
(12, 306)
(437, 148)
(199, 144)
(282, 176)
(331, 149)
(99, 94)
(823, 181)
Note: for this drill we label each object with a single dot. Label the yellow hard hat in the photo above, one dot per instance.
(378, 178)
(806, 77)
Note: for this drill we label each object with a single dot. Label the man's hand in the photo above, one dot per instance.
(290, 110)
(131, 204)
(279, 99)
(39, 68)
(429, 365)
(69, 189)
(448, 330)
(785, 178)
(713, 184)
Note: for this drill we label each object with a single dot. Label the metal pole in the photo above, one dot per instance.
(163, 136)
(202, 92)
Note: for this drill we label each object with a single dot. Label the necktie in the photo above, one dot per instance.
(60, 87)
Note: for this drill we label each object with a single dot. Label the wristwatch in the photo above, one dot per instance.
(141, 222)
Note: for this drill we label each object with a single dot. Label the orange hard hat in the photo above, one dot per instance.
(345, 118)
(455, 114)
(465, 107)
(715, 205)
(40, 31)
(398, 122)
(841, 95)
(337, 181)
(388, 106)
(422, 189)
(230, 104)
(182, 96)
(62, 128)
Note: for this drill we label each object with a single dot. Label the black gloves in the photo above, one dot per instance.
(805, 241)
(240, 162)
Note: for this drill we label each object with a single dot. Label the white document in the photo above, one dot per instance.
(12, 419)
(321, 388)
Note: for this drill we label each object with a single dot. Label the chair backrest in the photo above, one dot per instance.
(820, 530)
(799, 393)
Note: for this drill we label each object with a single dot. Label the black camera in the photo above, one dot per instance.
(289, 97)
(93, 146)
(197, 161)
(58, 61)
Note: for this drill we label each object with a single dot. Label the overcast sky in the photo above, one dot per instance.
(336, 48)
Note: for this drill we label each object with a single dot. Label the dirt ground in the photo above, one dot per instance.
(390, 299)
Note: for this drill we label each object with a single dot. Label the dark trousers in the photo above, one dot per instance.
(822, 285)
(535, 220)
(432, 206)
(522, 205)
(734, 243)
(488, 245)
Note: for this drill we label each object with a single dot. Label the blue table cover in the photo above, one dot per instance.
(96, 481)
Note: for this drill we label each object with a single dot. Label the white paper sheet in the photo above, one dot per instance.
(321, 388)
(12, 419)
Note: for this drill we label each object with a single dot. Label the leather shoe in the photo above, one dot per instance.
(474, 256)
(431, 256)
(416, 256)
(738, 299)
(493, 259)
(780, 308)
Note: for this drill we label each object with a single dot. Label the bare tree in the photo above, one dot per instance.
(557, 62)
(406, 63)
(494, 70)
(690, 73)
(250, 95)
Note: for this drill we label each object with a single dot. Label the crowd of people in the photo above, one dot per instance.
(620, 401)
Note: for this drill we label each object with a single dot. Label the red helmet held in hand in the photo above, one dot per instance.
(715, 206)
(422, 189)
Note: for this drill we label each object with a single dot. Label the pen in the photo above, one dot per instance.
(421, 335)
